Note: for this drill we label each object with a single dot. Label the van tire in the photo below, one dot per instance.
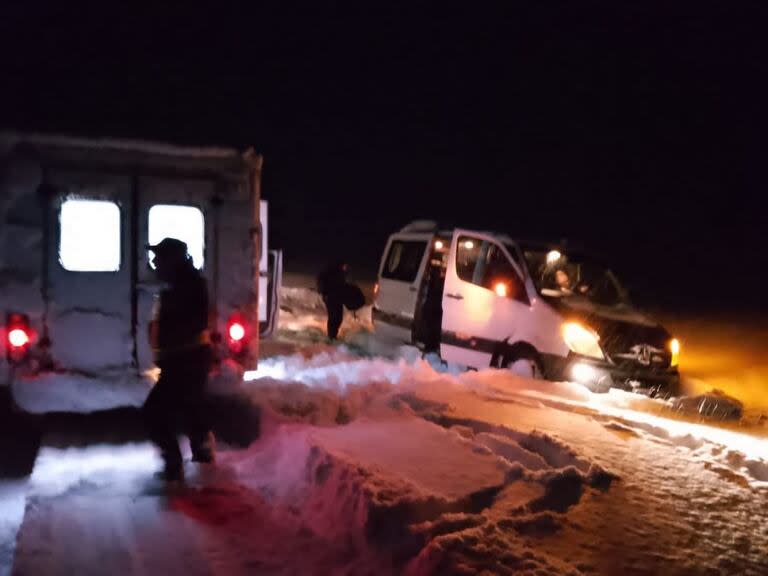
(522, 359)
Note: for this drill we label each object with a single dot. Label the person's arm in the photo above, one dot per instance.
(154, 324)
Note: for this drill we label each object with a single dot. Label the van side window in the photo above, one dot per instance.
(89, 235)
(403, 260)
(467, 257)
(186, 223)
(484, 264)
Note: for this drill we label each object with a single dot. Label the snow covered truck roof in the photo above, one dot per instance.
(114, 153)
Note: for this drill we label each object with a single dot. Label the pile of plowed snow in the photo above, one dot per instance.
(557, 443)
(399, 486)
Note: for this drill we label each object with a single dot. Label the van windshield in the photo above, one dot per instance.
(558, 275)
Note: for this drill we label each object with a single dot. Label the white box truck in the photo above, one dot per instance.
(76, 284)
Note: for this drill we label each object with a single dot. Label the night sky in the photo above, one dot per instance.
(634, 129)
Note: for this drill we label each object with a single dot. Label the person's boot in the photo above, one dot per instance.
(205, 453)
(172, 472)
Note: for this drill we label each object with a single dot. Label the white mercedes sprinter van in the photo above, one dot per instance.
(482, 299)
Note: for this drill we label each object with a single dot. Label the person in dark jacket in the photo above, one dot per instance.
(179, 338)
(330, 284)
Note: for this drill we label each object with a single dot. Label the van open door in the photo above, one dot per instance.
(270, 277)
(401, 273)
(485, 302)
(271, 295)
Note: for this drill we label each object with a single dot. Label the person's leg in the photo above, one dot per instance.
(160, 419)
(197, 420)
(335, 317)
(201, 439)
(328, 323)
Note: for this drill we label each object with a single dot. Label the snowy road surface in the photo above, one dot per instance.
(392, 465)
(389, 466)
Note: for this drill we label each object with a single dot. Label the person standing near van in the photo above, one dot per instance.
(330, 283)
(179, 339)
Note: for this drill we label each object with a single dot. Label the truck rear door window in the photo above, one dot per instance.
(185, 223)
(403, 260)
(89, 239)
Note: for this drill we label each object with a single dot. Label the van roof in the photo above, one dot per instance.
(430, 226)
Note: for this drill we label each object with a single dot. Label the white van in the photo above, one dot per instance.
(76, 284)
(482, 299)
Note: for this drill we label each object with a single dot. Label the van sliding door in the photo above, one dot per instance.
(400, 276)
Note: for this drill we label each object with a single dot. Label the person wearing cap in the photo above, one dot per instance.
(179, 339)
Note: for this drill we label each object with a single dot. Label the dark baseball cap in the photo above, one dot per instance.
(169, 247)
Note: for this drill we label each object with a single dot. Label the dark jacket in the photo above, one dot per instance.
(181, 322)
(331, 281)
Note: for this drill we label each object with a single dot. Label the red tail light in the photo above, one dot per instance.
(18, 337)
(236, 331)
(375, 289)
(237, 334)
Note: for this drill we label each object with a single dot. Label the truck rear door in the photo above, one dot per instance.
(176, 208)
(400, 276)
(88, 284)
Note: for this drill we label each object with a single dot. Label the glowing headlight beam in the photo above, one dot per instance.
(583, 373)
(582, 340)
(674, 348)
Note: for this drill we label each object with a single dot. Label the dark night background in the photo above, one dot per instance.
(634, 128)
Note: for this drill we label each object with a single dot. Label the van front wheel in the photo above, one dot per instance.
(523, 361)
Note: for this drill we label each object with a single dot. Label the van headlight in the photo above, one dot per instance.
(674, 349)
(582, 340)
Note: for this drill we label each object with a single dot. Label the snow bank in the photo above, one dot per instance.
(12, 494)
(402, 484)
(715, 405)
(334, 386)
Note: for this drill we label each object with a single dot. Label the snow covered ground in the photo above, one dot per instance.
(373, 460)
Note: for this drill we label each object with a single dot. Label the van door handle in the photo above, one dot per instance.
(413, 289)
(455, 296)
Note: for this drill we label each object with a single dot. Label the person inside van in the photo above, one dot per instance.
(563, 282)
